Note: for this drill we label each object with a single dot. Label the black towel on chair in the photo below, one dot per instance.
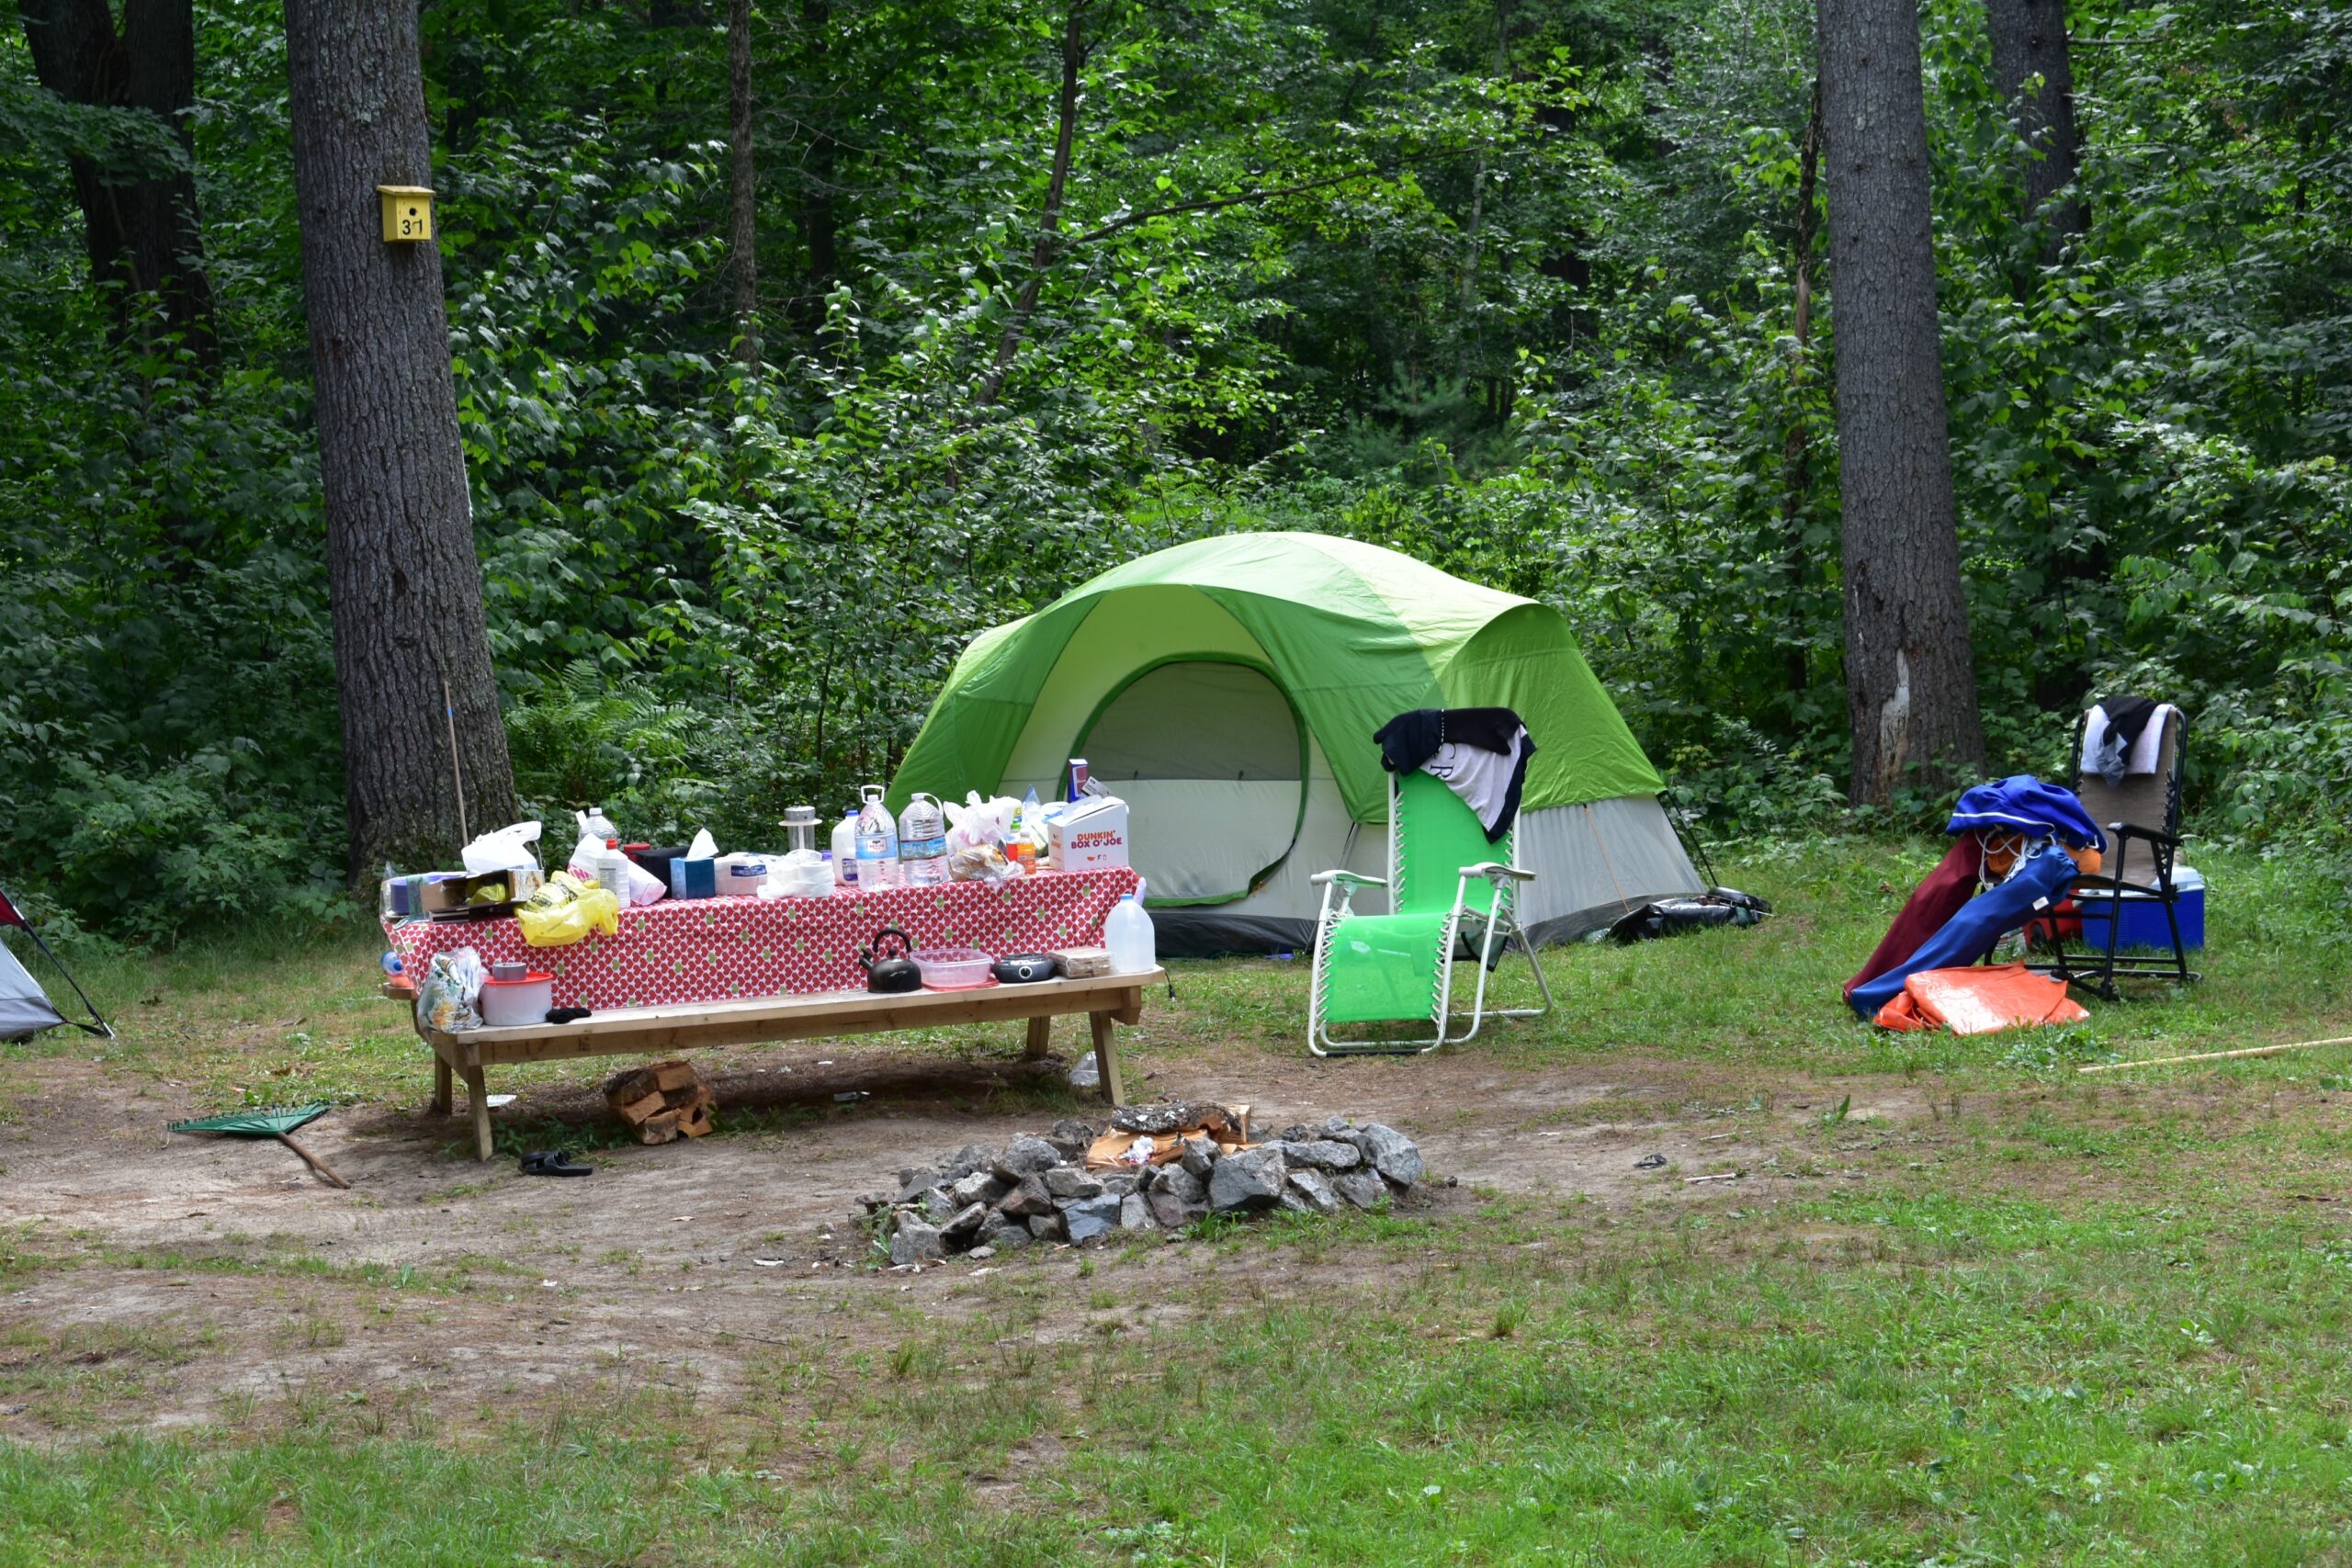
(2127, 716)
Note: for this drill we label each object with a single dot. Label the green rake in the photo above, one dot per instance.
(269, 1121)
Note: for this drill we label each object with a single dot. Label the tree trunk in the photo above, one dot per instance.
(1910, 679)
(1049, 223)
(742, 185)
(405, 582)
(142, 232)
(1796, 448)
(819, 224)
(2029, 40)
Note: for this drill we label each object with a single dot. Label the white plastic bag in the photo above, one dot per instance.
(803, 874)
(644, 887)
(504, 850)
(978, 823)
(448, 998)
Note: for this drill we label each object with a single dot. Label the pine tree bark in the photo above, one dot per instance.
(142, 232)
(2029, 41)
(1796, 447)
(405, 582)
(742, 187)
(1910, 677)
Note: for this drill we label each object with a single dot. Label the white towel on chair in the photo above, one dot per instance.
(2147, 752)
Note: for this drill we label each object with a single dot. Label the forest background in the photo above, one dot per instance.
(1531, 290)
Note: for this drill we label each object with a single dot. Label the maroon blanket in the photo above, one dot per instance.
(1936, 901)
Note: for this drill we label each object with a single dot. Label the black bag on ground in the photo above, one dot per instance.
(1671, 917)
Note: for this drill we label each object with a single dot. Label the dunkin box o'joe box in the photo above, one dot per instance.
(1089, 834)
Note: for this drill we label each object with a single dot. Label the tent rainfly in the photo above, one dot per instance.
(1228, 689)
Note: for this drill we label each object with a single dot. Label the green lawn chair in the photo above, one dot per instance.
(1398, 968)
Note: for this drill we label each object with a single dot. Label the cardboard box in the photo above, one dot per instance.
(1089, 834)
(452, 896)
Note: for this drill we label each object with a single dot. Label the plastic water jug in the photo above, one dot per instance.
(611, 870)
(922, 842)
(599, 825)
(878, 843)
(1126, 932)
(845, 850)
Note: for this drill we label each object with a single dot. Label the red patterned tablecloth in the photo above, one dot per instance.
(708, 950)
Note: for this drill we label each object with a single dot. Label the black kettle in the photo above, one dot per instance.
(888, 973)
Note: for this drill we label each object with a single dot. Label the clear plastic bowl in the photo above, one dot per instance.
(947, 968)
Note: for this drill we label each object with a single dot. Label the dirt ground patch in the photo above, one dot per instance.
(161, 1280)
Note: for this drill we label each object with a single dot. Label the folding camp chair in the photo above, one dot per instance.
(2137, 860)
(1398, 968)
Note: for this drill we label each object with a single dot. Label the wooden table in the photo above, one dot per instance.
(1111, 998)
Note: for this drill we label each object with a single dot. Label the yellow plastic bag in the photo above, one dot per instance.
(567, 909)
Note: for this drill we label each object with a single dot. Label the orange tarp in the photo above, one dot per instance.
(1979, 1000)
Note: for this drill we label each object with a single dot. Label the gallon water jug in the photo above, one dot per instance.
(922, 842)
(845, 850)
(878, 843)
(1128, 933)
(599, 824)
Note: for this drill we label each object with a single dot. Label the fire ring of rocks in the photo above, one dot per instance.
(1155, 1168)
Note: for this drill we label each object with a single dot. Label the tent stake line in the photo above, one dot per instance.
(2219, 1055)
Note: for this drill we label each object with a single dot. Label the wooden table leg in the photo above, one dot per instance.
(1106, 1058)
(478, 1095)
(1041, 1035)
(444, 1088)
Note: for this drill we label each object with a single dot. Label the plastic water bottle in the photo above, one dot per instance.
(597, 825)
(1128, 933)
(922, 842)
(845, 851)
(878, 843)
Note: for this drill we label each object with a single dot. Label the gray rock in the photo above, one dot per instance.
(981, 1253)
(965, 1225)
(937, 1206)
(1361, 1186)
(872, 1203)
(1026, 1156)
(1071, 1137)
(1249, 1180)
(1011, 1238)
(1391, 1153)
(914, 1181)
(1336, 1127)
(1090, 1217)
(1027, 1199)
(1200, 1155)
(1122, 1182)
(965, 1160)
(1296, 1133)
(1000, 1232)
(1308, 1194)
(1069, 1181)
(915, 1242)
(1182, 1185)
(979, 1187)
(1135, 1213)
(1320, 1154)
(1173, 1212)
(1046, 1227)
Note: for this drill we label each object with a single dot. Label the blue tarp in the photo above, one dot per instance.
(2023, 804)
(1982, 921)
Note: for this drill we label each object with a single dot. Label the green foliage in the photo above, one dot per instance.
(1513, 289)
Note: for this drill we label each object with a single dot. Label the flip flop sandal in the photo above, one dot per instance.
(553, 1162)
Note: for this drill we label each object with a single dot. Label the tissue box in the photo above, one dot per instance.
(1089, 834)
(694, 878)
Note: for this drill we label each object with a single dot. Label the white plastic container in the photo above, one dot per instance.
(922, 842)
(1127, 932)
(510, 1004)
(878, 843)
(845, 852)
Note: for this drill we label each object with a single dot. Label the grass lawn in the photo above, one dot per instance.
(2012, 1316)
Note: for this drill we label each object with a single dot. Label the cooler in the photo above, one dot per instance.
(2143, 917)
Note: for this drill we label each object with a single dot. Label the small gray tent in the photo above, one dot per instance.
(25, 1007)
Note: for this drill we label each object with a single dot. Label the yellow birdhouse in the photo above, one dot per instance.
(407, 212)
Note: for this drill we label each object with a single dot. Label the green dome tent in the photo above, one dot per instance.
(1228, 689)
